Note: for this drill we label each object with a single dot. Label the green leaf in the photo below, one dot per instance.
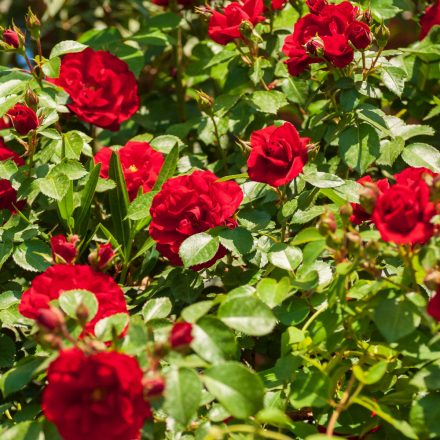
(248, 315)
(198, 249)
(390, 150)
(33, 255)
(268, 101)
(183, 394)
(273, 292)
(195, 311)
(23, 431)
(7, 351)
(6, 249)
(165, 143)
(168, 168)
(396, 318)
(69, 301)
(140, 207)
(285, 257)
(67, 46)
(373, 375)
(156, 308)
(422, 155)
(323, 180)
(237, 388)
(55, 187)
(107, 328)
(51, 68)
(394, 78)
(310, 389)
(19, 376)
(237, 240)
(425, 416)
(359, 147)
(74, 142)
(213, 340)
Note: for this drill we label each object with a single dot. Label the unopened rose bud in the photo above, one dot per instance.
(11, 37)
(31, 98)
(23, 119)
(102, 257)
(432, 280)
(82, 313)
(368, 196)
(346, 211)
(205, 102)
(33, 24)
(50, 319)
(382, 35)
(315, 46)
(154, 386)
(354, 241)
(64, 251)
(181, 334)
(327, 223)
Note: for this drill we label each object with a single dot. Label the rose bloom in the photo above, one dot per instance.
(8, 195)
(57, 279)
(95, 397)
(277, 5)
(103, 90)
(429, 19)
(187, 205)
(403, 213)
(359, 214)
(334, 26)
(64, 250)
(140, 163)
(278, 154)
(225, 27)
(434, 306)
(23, 119)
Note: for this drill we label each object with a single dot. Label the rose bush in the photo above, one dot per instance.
(219, 221)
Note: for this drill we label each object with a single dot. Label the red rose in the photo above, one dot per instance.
(434, 305)
(429, 19)
(403, 213)
(105, 255)
(277, 5)
(59, 278)
(140, 163)
(8, 195)
(190, 204)
(412, 176)
(225, 27)
(63, 250)
(359, 214)
(337, 50)
(103, 90)
(359, 34)
(95, 397)
(23, 119)
(11, 37)
(181, 334)
(278, 154)
(316, 6)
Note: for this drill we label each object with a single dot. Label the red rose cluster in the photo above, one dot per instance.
(8, 195)
(103, 90)
(328, 33)
(278, 154)
(224, 26)
(429, 19)
(62, 277)
(97, 396)
(401, 212)
(140, 163)
(187, 205)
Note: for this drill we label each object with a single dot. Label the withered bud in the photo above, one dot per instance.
(246, 29)
(315, 46)
(367, 17)
(354, 240)
(82, 313)
(432, 279)
(368, 196)
(327, 223)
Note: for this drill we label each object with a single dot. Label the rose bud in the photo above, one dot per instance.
(354, 241)
(315, 46)
(23, 119)
(359, 35)
(327, 223)
(33, 24)
(382, 35)
(64, 251)
(346, 211)
(82, 313)
(368, 196)
(154, 386)
(31, 98)
(205, 102)
(101, 258)
(181, 334)
(50, 318)
(11, 37)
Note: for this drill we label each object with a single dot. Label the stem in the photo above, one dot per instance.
(314, 316)
(405, 253)
(373, 64)
(40, 51)
(255, 431)
(222, 153)
(93, 136)
(340, 407)
(364, 64)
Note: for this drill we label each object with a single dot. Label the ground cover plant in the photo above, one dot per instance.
(219, 220)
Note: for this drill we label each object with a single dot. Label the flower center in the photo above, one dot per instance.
(97, 394)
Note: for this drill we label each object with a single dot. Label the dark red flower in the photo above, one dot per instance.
(359, 214)
(63, 250)
(225, 27)
(278, 154)
(181, 334)
(11, 37)
(23, 119)
(50, 318)
(359, 34)
(403, 213)
(154, 386)
(429, 19)
(93, 397)
(434, 305)
(316, 6)
(103, 90)
(59, 278)
(8, 195)
(140, 163)
(337, 50)
(277, 5)
(190, 204)
(105, 255)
